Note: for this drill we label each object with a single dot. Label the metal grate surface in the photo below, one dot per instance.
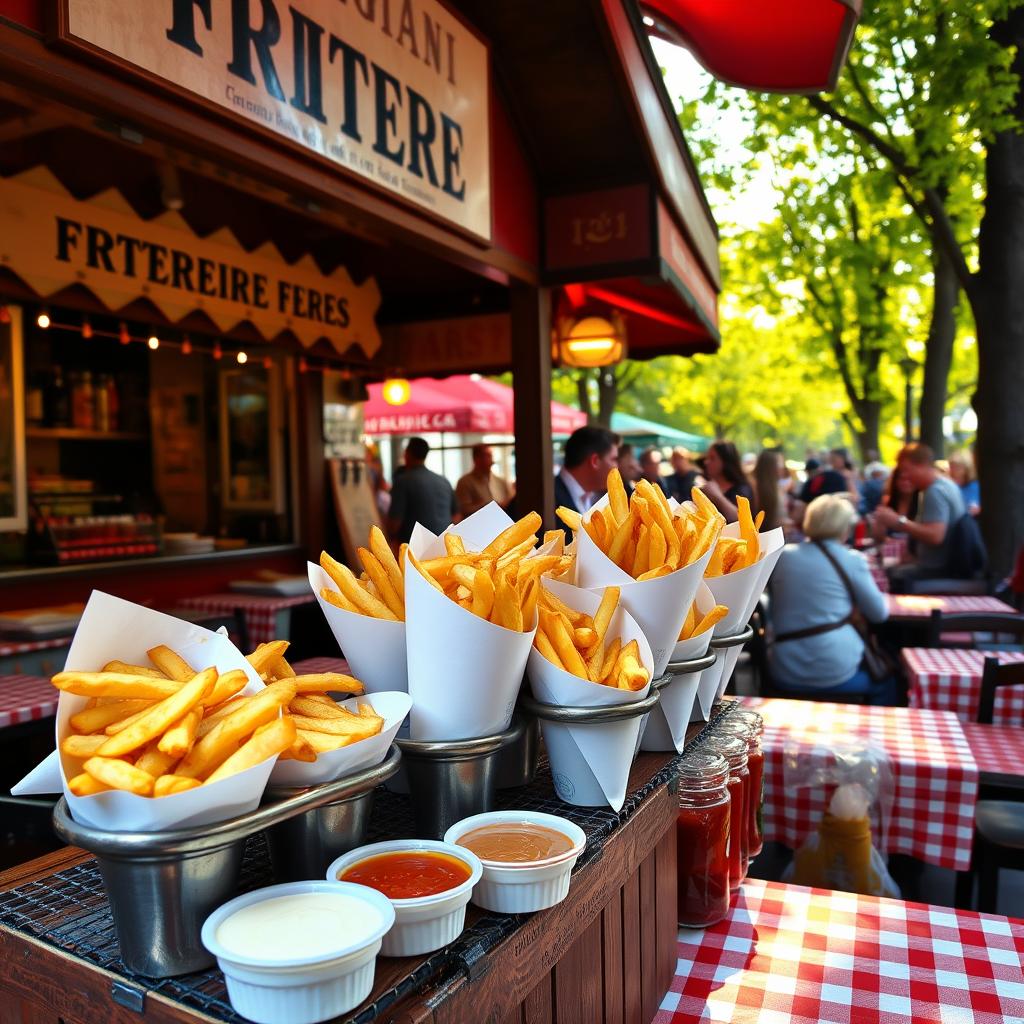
(69, 909)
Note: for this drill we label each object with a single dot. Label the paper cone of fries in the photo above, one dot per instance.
(113, 629)
(366, 753)
(589, 763)
(667, 723)
(658, 605)
(464, 672)
(740, 592)
(374, 648)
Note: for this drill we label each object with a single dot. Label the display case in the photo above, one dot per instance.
(13, 490)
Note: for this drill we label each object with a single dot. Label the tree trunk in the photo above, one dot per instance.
(938, 356)
(607, 396)
(998, 305)
(869, 412)
(583, 393)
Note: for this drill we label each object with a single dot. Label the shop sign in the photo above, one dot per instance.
(472, 343)
(599, 228)
(414, 423)
(394, 91)
(682, 263)
(51, 241)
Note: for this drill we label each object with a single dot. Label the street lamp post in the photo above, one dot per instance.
(908, 366)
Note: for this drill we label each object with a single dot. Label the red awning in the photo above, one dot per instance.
(468, 404)
(786, 46)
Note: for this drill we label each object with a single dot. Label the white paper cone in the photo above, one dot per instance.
(732, 656)
(667, 724)
(374, 648)
(659, 605)
(589, 763)
(392, 707)
(479, 529)
(739, 591)
(464, 672)
(111, 629)
(707, 688)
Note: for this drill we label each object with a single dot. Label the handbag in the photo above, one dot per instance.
(877, 662)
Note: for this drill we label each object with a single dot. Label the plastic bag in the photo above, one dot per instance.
(844, 852)
(840, 854)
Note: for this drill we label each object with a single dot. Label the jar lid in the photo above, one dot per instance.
(733, 725)
(703, 769)
(746, 715)
(732, 748)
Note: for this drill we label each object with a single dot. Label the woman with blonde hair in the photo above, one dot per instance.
(817, 586)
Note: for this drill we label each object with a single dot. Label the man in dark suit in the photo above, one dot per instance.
(591, 453)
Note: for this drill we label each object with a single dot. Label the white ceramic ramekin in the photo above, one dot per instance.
(522, 888)
(302, 991)
(424, 923)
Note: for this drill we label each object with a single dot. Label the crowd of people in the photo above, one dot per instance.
(822, 593)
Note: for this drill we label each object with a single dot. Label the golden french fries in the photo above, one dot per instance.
(694, 626)
(168, 729)
(576, 643)
(642, 534)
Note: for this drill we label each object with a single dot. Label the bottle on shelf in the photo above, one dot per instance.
(101, 403)
(113, 404)
(35, 400)
(58, 410)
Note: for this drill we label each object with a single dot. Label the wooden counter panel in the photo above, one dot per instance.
(602, 955)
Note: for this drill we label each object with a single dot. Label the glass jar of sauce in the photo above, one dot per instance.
(750, 725)
(734, 750)
(702, 847)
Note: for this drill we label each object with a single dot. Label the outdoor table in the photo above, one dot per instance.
(919, 607)
(26, 699)
(949, 679)
(608, 951)
(934, 775)
(33, 657)
(787, 954)
(998, 752)
(314, 666)
(879, 576)
(266, 617)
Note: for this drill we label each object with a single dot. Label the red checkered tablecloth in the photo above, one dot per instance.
(10, 647)
(260, 611)
(934, 775)
(878, 575)
(949, 679)
(314, 666)
(998, 751)
(787, 954)
(921, 606)
(26, 698)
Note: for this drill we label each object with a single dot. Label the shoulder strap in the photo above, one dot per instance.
(839, 570)
(826, 627)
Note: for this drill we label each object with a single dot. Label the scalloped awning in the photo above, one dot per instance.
(785, 46)
(51, 241)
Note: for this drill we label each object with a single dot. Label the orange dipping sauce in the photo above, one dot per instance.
(515, 842)
(408, 874)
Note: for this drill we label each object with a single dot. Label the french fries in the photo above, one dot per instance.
(498, 584)
(641, 534)
(692, 626)
(161, 730)
(578, 644)
(731, 553)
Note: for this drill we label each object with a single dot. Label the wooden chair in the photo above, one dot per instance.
(1000, 624)
(998, 824)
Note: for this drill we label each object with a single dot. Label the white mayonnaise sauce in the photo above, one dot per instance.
(306, 925)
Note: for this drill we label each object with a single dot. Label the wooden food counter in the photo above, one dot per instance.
(607, 953)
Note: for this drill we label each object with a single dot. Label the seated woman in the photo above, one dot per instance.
(816, 650)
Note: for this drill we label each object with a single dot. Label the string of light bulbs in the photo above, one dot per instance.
(153, 341)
